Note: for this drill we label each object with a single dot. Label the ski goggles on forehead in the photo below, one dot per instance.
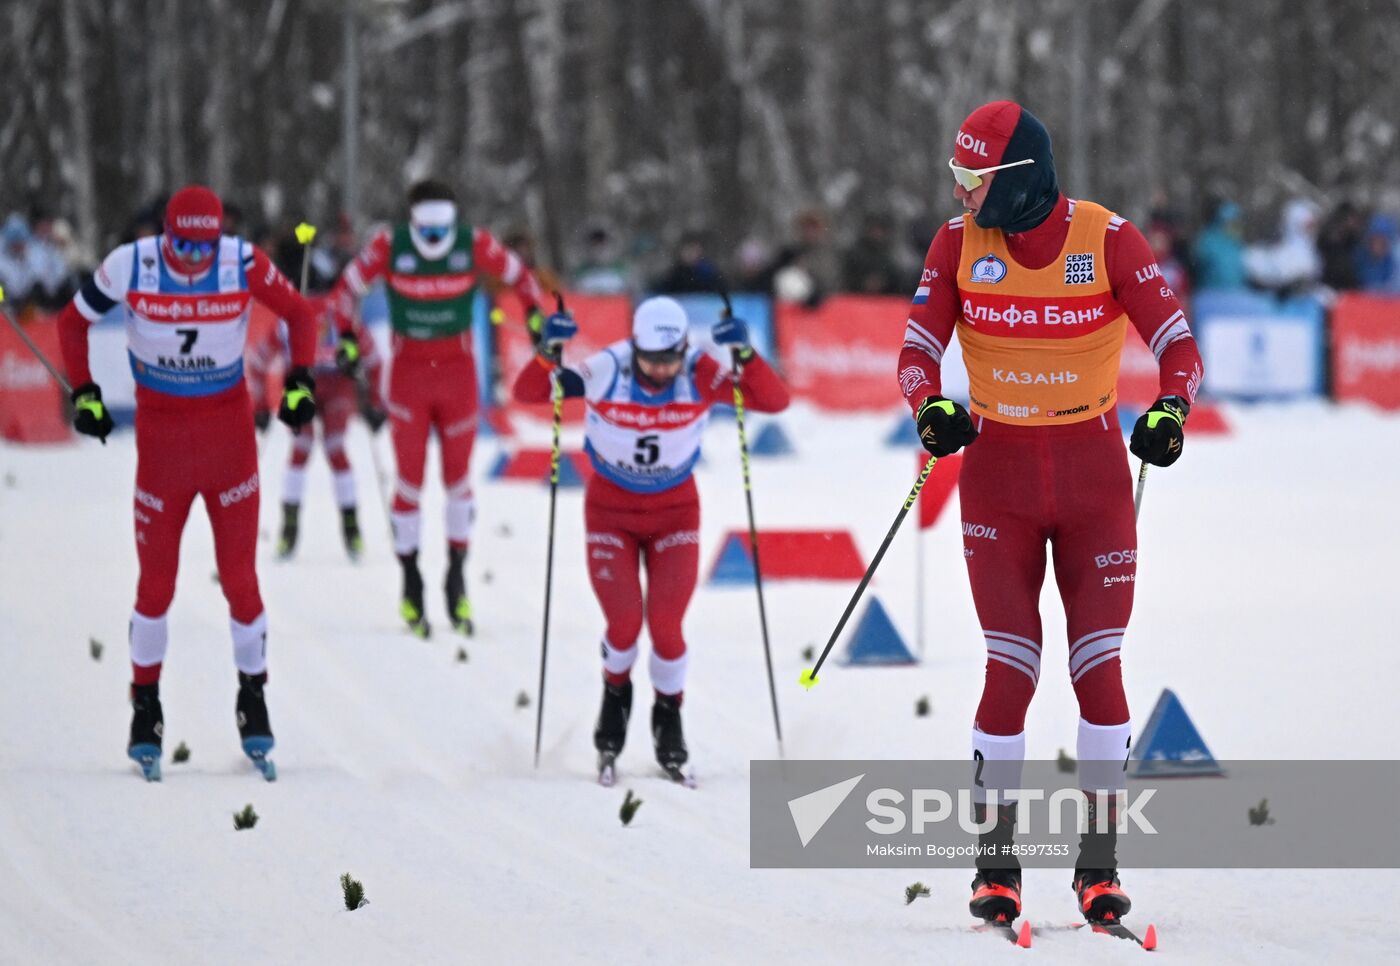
(191, 250)
(970, 178)
(660, 357)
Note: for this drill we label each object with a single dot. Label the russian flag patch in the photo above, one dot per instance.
(921, 295)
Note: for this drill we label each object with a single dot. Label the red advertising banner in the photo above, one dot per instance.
(1366, 349)
(938, 488)
(1139, 380)
(843, 354)
(602, 320)
(31, 403)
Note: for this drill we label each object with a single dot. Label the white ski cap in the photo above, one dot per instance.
(659, 324)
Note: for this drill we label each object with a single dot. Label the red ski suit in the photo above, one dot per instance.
(338, 398)
(1038, 313)
(194, 419)
(641, 504)
(432, 379)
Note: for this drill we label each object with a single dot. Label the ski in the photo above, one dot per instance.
(1008, 930)
(147, 758)
(607, 768)
(256, 748)
(673, 771)
(1113, 927)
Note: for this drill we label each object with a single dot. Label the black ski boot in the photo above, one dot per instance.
(147, 729)
(1095, 881)
(459, 608)
(350, 533)
(253, 725)
(411, 606)
(1101, 899)
(287, 542)
(610, 733)
(667, 734)
(996, 889)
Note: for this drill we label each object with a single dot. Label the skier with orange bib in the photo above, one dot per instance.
(1042, 290)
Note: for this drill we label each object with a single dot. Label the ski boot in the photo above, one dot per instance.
(287, 542)
(1100, 897)
(350, 532)
(996, 895)
(253, 725)
(411, 606)
(996, 888)
(669, 737)
(147, 729)
(610, 733)
(459, 608)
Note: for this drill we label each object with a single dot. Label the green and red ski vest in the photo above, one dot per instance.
(430, 299)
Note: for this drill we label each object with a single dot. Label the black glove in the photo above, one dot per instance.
(1158, 436)
(90, 416)
(347, 355)
(298, 398)
(374, 417)
(944, 426)
(262, 419)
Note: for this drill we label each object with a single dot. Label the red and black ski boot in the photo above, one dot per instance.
(996, 895)
(1101, 898)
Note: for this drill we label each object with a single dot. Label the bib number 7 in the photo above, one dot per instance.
(189, 335)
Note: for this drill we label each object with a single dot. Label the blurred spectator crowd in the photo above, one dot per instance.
(1312, 252)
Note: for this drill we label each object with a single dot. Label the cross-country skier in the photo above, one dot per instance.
(1041, 290)
(432, 265)
(648, 400)
(186, 295)
(338, 396)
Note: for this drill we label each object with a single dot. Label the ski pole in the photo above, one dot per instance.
(753, 535)
(305, 232)
(808, 678)
(38, 354)
(554, 455)
(1137, 497)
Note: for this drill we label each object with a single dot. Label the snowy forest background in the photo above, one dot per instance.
(660, 116)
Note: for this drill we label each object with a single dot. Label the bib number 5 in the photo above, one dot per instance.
(648, 450)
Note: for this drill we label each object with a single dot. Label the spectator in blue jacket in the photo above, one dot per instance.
(1219, 251)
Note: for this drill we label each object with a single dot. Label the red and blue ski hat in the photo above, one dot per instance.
(998, 133)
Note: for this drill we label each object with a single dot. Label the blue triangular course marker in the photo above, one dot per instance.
(875, 641)
(1127, 419)
(905, 433)
(734, 566)
(498, 468)
(1171, 745)
(568, 472)
(771, 441)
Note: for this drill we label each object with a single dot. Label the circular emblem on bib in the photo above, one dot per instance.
(988, 269)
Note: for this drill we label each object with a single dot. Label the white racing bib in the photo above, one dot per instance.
(642, 442)
(187, 340)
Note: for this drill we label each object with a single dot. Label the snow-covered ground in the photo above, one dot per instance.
(1265, 598)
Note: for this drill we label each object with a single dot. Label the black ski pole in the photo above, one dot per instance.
(554, 455)
(1141, 484)
(305, 233)
(753, 535)
(808, 678)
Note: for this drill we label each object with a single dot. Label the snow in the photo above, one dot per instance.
(1260, 600)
